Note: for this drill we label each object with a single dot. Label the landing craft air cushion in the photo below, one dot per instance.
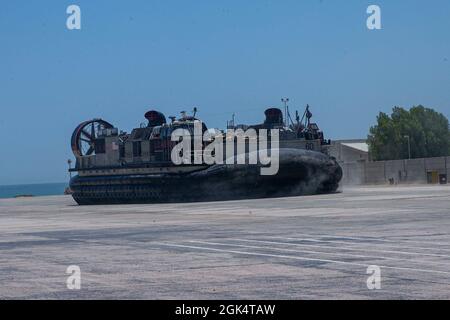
(116, 167)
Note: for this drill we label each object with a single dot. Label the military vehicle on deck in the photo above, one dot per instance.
(118, 167)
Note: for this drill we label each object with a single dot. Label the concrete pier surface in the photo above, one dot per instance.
(315, 247)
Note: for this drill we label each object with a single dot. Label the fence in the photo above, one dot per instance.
(424, 170)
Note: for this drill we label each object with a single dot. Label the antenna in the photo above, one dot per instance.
(230, 124)
(195, 111)
(285, 101)
(289, 116)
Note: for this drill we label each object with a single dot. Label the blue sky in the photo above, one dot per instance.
(222, 56)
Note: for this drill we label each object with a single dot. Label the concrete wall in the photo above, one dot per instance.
(401, 171)
(435, 164)
(448, 168)
(353, 173)
(415, 170)
(395, 169)
(375, 173)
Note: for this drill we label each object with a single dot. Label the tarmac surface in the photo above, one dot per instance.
(315, 247)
